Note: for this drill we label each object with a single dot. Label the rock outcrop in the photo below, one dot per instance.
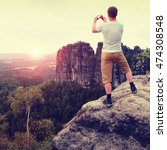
(75, 62)
(124, 126)
(78, 62)
(97, 70)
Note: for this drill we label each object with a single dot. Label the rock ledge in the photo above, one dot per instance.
(124, 126)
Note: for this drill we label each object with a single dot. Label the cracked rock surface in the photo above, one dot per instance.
(124, 126)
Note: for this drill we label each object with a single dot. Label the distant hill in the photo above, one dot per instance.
(8, 56)
(77, 62)
(4, 56)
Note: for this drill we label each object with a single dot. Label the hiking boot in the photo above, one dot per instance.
(133, 89)
(108, 102)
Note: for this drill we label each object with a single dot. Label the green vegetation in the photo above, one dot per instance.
(138, 59)
(34, 114)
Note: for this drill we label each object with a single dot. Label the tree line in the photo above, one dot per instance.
(31, 116)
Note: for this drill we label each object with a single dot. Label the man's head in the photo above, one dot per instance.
(112, 12)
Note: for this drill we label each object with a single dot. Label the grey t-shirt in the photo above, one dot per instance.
(112, 33)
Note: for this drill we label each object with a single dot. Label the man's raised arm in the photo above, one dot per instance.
(94, 28)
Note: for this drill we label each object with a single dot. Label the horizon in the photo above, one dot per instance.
(48, 53)
(36, 56)
(47, 26)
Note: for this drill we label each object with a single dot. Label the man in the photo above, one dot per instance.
(112, 51)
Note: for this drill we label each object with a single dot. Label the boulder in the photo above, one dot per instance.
(124, 126)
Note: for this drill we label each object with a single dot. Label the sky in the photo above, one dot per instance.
(48, 25)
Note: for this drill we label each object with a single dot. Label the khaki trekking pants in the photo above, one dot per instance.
(107, 60)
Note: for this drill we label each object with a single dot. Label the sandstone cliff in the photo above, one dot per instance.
(75, 62)
(78, 62)
(124, 126)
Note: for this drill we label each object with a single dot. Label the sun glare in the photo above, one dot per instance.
(37, 53)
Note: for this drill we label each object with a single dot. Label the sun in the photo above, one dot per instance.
(37, 53)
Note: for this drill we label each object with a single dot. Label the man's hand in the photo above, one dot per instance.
(94, 29)
(104, 18)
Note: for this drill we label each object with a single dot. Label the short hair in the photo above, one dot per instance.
(112, 12)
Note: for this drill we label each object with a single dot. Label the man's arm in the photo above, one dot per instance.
(94, 28)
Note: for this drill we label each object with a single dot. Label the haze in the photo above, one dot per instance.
(27, 25)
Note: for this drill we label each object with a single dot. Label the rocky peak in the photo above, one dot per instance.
(75, 62)
(124, 126)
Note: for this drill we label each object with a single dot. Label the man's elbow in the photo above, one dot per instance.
(94, 31)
